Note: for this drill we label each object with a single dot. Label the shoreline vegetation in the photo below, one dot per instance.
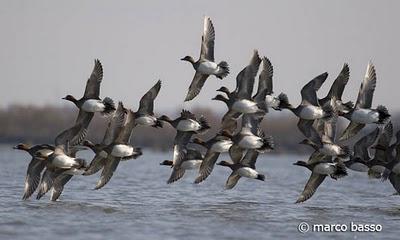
(40, 124)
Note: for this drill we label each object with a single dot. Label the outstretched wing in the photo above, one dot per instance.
(93, 83)
(309, 91)
(147, 101)
(196, 86)
(207, 40)
(367, 88)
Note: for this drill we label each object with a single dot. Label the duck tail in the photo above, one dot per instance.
(204, 125)
(283, 101)
(223, 70)
(346, 152)
(260, 177)
(268, 144)
(347, 106)
(340, 171)
(137, 152)
(383, 114)
(109, 106)
(158, 124)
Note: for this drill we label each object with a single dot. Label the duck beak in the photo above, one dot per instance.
(15, 147)
(64, 98)
(182, 59)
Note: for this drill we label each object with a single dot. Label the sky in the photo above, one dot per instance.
(47, 48)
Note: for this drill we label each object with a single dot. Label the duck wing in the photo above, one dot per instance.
(232, 180)
(309, 91)
(245, 79)
(312, 184)
(207, 166)
(367, 88)
(124, 135)
(32, 178)
(74, 136)
(95, 165)
(361, 147)
(115, 125)
(306, 127)
(108, 171)
(382, 146)
(352, 129)
(196, 85)
(46, 182)
(146, 105)
(177, 173)
(236, 153)
(92, 90)
(337, 88)
(58, 185)
(180, 142)
(250, 158)
(193, 154)
(207, 40)
(395, 181)
(265, 79)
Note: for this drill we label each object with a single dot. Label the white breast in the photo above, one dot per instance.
(272, 101)
(146, 120)
(93, 105)
(63, 161)
(122, 150)
(250, 142)
(245, 106)
(247, 172)
(365, 116)
(221, 146)
(191, 164)
(324, 168)
(330, 149)
(188, 125)
(208, 68)
(310, 112)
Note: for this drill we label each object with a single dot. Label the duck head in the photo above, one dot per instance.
(22, 146)
(188, 59)
(224, 90)
(165, 118)
(70, 98)
(219, 97)
(166, 162)
(225, 164)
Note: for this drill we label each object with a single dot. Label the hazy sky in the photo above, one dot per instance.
(47, 48)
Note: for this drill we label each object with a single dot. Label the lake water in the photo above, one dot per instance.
(138, 204)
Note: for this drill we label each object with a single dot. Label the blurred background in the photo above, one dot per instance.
(48, 47)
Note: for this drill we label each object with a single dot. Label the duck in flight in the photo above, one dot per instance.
(205, 65)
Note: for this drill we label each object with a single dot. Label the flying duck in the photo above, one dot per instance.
(361, 155)
(205, 66)
(145, 114)
(319, 170)
(309, 108)
(35, 167)
(114, 128)
(392, 169)
(245, 167)
(91, 102)
(362, 113)
(191, 161)
(119, 148)
(215, 146)
(187, 122)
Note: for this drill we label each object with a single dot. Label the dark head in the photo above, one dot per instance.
(300, 163)
(22, 146)
(166, 162)
(224, 90)
(165, 118)
(225, 164)
(219, 97)
(198, 141)
(70, 98)
(188, 59)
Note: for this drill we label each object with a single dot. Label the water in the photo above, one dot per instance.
(138, 204)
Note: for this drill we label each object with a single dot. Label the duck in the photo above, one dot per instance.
(336, 91)
(119, 148)
(145, 114)
(309, 110)
(91, 103)
(35, 167)
(220, 143)
(205, 65)
(392, 168)
(61, 164)
(362, 113)
(244, 168)
(192, 160)
(114, 128)
(361, 152)
(187, 122)
(325, 144)
(319, 171)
